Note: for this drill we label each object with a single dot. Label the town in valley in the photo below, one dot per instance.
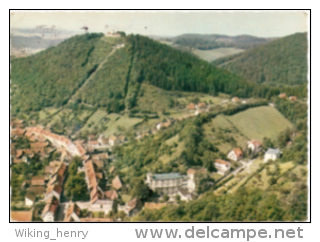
(108, 126)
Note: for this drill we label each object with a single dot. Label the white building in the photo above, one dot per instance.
(255, 146)
(29, 199)
(53, 191)
(222, 166)
(235, 154)
(166, 183)
(185, 195)
(271, 154)
(191, 180)
(72, 213)
(50, 210)
(113, 140)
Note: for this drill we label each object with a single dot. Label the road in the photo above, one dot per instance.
(236, 171)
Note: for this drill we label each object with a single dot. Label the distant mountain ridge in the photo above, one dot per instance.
(281, 61)
(213, 41)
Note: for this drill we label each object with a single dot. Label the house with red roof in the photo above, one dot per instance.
(255, 146)
(235, 154)
(222, 166)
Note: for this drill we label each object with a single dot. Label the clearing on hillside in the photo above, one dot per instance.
(260, 122)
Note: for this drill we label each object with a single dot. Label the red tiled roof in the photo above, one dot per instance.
(19, 153)
(235, 99)
(116, 183)
(202, 105)
(282, 95)
(191, 106)
(256, 143)
(191, 171)
(113, 138)
(73, 208)
(111, 194)
(238, 152)
(37, 181)
(57, 188)
(293, 98)
(222, 162)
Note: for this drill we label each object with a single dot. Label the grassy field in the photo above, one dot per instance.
(152, 98)
(110, 124)
(176, 152)
(95, 119)
(117, 121)
(260, 122)
(224, 134)
(46, 112)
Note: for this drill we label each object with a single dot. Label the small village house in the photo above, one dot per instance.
(72, 213)
(163, 125)
(116, 183)
(53, 191)
(255, 146)
(113, 140)
(191, 106)
(185, 195)
(202, 106)
(222, 166)
(282, 96)
(50, 210)
(235, 154)
(29, 199)
(235, 99)
(293, 98)
(37, 181)
(272, 154)
(111, 194)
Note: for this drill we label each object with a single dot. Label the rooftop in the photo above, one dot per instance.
(167, 176)
(273, 151)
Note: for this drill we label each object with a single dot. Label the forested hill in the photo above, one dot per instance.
(107, 72)
(213, 41)
(282, 61)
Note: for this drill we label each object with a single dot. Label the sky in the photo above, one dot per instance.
(169, 23)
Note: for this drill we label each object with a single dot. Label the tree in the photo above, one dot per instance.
(165, 197)
(139, 189)
(178, 198)
(267, 143)
(284, 137)
(76, 188)
(203, 183)
(208, 161)
(115, 206)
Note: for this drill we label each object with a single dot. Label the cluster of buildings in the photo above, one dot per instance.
(291, 98)
(103, 142)
(57, 140)
(198, 108)
(53, 193)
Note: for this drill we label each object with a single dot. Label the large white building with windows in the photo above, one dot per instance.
(167, 183)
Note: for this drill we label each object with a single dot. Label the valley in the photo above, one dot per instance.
(124, 128)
